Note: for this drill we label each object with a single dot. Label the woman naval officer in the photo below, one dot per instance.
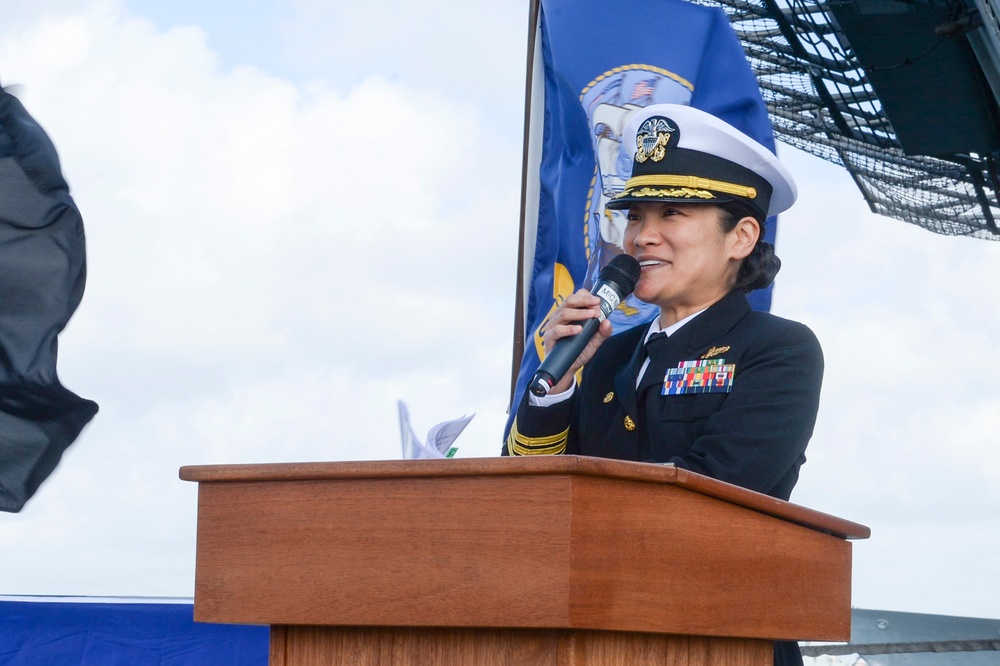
(710, 385)
(726, 391)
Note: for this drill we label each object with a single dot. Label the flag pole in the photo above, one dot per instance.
(519, 318)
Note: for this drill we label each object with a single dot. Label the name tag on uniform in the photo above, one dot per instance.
(707, 376)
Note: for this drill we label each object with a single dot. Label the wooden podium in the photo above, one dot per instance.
(555, 560)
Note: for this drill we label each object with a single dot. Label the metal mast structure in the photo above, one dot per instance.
(902, 93)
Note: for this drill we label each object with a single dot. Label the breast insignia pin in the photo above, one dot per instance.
(714, 351)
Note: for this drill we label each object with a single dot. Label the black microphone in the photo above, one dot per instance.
(615, 282)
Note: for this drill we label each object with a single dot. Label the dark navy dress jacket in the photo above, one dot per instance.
(752, 433)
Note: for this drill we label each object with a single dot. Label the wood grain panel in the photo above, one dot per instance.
(606, 648)
(372, 646)
(659, 558)
(444, 552)
(531, 465)
(278, 652)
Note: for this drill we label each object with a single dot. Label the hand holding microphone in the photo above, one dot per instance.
(615, 282)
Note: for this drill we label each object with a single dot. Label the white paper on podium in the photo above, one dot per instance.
(440, 438)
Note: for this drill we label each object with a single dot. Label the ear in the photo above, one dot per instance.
(743, 237)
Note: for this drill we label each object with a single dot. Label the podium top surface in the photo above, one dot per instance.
(537, 465)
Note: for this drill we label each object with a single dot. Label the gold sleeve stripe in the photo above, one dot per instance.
(519, 450)
(518, 445)
(693, 182)
(538, 441)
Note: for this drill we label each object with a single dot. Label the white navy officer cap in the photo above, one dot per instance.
(684, 155)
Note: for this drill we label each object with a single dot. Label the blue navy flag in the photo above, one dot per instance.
(595, 64)
(42, 275)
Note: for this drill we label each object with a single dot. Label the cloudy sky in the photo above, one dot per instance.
(300, 212)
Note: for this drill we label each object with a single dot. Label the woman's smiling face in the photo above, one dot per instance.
(687, 261)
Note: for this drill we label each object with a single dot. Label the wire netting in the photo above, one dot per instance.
(821, 101)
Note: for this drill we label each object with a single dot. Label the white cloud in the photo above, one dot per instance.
(459, 49)
(271, 268)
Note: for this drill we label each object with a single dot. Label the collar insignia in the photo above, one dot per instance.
(609, 397)
(714, 351)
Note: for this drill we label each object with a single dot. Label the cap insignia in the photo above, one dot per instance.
(652, 138)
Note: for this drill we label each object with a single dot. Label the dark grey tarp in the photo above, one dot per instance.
(42, 276)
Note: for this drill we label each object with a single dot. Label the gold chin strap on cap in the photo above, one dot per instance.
(692, 182)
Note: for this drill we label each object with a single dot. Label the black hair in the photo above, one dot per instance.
(759, 267)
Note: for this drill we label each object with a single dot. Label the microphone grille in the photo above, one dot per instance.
(624, 271)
